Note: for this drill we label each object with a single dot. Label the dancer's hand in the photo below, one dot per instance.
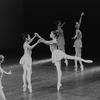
(10, 72)
(82, 13)
(72, 38)
(35, 34)
(40, 40)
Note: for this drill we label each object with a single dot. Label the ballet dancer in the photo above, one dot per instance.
(58, 55)
(2, 96)
(78, 43)
(26, 61)
(61, 39)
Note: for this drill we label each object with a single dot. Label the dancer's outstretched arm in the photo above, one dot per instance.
(45, 41)
(80, 20)
(63, 24)
(32, 39)
(35, 44)
(9, 73)
(38, 36)
(48, 42)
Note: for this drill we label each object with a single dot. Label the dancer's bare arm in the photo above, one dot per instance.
(49, 42)
(35, 44)
(80, 20)
(76, 33)
(9, 73)
(32, 39)
(38, 36)
(63, 24)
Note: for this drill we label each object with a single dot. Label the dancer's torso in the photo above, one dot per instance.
(27, 49)
(53, 46)
(61, 33)
(1, 74)
(60, 39)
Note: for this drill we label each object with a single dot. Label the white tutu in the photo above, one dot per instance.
(78, 43)
(26, 60)
(57, 55)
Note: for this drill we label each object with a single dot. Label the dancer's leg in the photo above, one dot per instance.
(59, 74)
(24, 78)
(62, 48)
(82, 67)
(2, 96)
(29, 73)
(79, 55)
(76, 54)
(77, 58)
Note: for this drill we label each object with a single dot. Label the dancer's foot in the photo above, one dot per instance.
(82, 68)
(66, 62)
(24, 88)
(30, 89)
(58, 86)
(75, 68)
(88, 61)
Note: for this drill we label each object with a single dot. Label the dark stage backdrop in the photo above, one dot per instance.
(11, 23)
(29, 16)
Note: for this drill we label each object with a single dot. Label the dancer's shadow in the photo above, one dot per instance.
(27, 96)
(59, 96)
(30, 97)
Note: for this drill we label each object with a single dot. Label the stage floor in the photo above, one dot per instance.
(75, 85)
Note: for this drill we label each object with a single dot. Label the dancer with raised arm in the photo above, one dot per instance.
(61, 39)
(2, 96)
(78, 43)
(58, 55)
(26, 61)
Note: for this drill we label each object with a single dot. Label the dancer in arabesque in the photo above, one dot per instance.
(58, 55)
(2, 95)
(26, 61)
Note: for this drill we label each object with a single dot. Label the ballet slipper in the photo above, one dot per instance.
(66, 62)
(75, 68)
(89, 61)
(24, 88)
(82, 68)
(30, 89)
(58, 86)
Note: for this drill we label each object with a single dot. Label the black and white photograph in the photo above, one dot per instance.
(49, 50)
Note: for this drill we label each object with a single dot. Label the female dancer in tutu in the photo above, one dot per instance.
(26, 61)
(78, 44)
(58, 55)
(2, 96)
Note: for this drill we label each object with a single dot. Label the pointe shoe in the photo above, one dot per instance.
(58, 86)
(75, 68)
(24, 88)
(30, 89)
(66, 62)
(82, 69)
(89, 61)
